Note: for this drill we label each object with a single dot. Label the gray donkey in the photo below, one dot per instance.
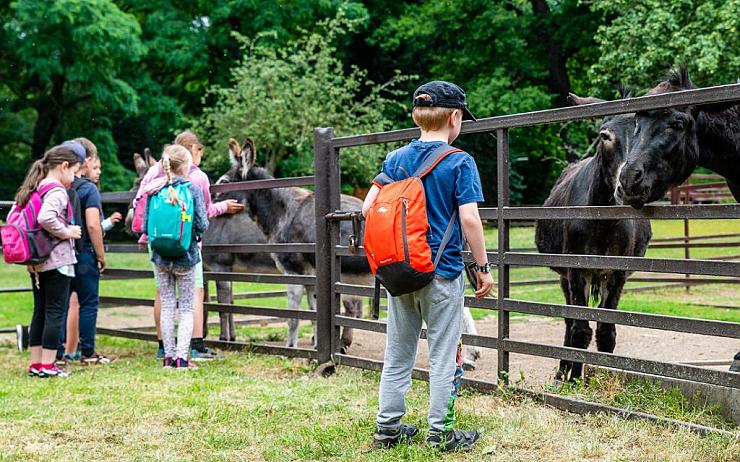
(286, 215)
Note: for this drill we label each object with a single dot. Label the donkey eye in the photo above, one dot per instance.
(676, 125)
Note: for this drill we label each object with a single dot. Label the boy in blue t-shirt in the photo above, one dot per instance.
(452, 185)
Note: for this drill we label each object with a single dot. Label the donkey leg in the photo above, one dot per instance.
(470, 353)
(581, 332)
(565, 366)
(295, 293)
(735, 366)
(224, 295)
(311, 298)
(353, 308)
(606, 333)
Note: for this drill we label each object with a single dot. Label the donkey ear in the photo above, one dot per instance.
(139, 165)
(235, 151)
(149, 157)
(576, 100)
(249, 153)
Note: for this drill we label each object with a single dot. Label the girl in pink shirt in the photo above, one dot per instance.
(51, 279)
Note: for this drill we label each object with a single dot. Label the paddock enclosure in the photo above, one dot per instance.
(328, 252)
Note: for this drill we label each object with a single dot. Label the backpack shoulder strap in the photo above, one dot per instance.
(48, 187)
(382, 179)
(435, 158)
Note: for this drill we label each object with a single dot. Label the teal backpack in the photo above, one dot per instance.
(170, 226)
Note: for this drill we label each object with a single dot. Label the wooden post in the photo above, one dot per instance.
(503, 247)
(324, 177)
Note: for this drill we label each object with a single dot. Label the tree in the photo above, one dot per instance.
(278, 95)
(62, 65)
(642, 40)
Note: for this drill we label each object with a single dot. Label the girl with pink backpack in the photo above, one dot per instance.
(45, 187)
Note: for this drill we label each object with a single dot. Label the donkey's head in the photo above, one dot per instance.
(242, 159)
(614, 138)
(665, 151)
(141, 165)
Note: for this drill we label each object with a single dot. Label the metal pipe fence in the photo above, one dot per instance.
(327, 151)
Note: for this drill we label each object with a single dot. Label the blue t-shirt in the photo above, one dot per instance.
(89, 198)
(452, 183)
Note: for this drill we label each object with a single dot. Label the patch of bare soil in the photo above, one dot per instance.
(674, 347)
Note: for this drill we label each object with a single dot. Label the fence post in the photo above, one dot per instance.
(502, 137)
(324, 174)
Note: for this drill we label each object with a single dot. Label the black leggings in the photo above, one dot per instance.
(50, 302)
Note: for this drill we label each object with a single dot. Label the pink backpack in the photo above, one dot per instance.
(24, 241)
(137, 225)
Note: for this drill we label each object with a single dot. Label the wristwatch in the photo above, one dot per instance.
(484, 268)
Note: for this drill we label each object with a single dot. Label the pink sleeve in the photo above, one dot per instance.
(201, 180)
(52, 210)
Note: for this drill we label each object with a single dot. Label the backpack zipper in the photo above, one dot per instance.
(403, 228)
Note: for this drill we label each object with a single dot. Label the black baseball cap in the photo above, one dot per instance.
(444, 94)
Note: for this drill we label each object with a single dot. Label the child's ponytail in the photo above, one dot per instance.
(36, 173)
(168, 172)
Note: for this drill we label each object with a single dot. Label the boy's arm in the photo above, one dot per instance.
(473, 229)
(369, 199)
(95, 231)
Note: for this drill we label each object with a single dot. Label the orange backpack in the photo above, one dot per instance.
(396, 231)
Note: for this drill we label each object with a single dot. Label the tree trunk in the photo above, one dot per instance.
(49, 115)
(557, 80)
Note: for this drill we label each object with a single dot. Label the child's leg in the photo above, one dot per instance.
(168, 299)
(186, 281)
(88, 283)
(55, 286)
(442, 308)
(404, 327)
(73, 331)
(37, 320)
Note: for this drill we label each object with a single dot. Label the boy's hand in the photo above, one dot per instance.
(233, 206)
(76, 231)
(485, 284)
(116, 217)
(101, 262)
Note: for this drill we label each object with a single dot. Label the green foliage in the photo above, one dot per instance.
(642, 40)
(279, 95)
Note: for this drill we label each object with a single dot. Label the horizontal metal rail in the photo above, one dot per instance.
(261, 348)
(645, 366)
(563, 403)
(304, 280)
(380, 327)
(653, 265)
(716, 94)
(695, 238)
(368, 291)
(261, 311)
(263, 184)
(10, 290)
(256, 248)
(125, 248)
(253, 295)
(649, 212)
(125, 197)
(627, 318)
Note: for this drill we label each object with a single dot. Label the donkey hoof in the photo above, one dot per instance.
(735, 367)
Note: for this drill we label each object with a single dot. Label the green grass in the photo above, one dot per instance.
(252, 408)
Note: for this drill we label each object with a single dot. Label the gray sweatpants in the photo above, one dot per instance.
(170, 277)
(440, 305)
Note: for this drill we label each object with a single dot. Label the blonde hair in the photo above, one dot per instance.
(188, 139)
(39, 169)
(430, 118)
(90, 148)
(175, 159)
